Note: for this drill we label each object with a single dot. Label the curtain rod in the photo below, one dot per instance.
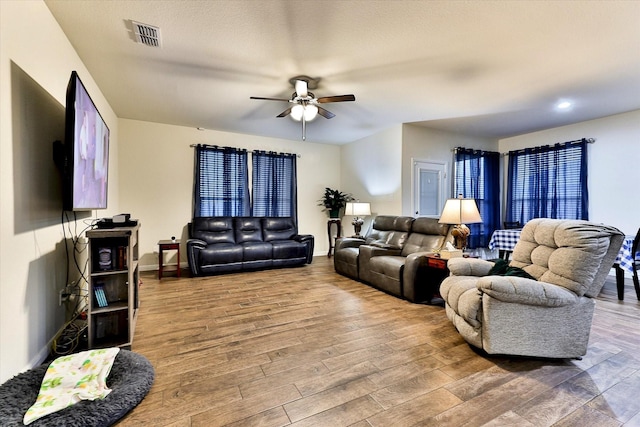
(588, 140)
(274, 152)
(243, 149)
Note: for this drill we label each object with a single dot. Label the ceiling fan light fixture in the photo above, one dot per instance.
(296, 112)
(310, 112)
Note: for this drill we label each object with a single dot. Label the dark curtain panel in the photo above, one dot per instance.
(477, 176)
(274, 185)
(221, 182)
(548, 182)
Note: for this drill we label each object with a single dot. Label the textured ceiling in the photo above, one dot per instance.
(488, 68)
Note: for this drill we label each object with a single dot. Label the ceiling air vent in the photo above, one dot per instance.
(147, 34)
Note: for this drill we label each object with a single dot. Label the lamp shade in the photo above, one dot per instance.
(460, 211)
(357, 209)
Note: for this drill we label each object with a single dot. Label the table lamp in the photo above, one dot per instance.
(357, 209)
(459, 212)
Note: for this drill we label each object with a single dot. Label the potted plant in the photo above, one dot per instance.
(333, 201)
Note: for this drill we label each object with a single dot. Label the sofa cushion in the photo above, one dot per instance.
(285, 249)
(562, 253)
(427, 235)
(248, 229)
(254, 251)
(388, 265)
(390, 231)
(220, 253)
(213, 229)
(278, 229)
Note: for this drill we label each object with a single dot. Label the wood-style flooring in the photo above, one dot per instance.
(308, 347)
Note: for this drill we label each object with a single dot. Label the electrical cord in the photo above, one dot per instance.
(69, 339)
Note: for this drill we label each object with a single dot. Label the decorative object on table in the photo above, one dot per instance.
(333, 201)
(449, 251)
(357, 209)
(305, 106)
(459, 212)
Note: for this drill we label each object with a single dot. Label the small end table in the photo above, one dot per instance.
(165, 245)
(330, 222)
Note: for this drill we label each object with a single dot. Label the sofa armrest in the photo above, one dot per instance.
(348, 242)
(369, 251)
(469, 266)
(414, 272)
(193, 248)
(309, 240)
(521, 290)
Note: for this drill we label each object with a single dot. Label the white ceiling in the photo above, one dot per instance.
(487, 68)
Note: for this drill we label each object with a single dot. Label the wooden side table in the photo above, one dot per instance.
(437, 271)
(165, 245)
(330, 223)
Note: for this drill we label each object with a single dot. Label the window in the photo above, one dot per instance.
(220, 182)
(274, 186)
(548, 182)
(477, 176)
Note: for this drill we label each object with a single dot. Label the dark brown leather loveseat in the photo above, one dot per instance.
(392, 257)
(225, 244)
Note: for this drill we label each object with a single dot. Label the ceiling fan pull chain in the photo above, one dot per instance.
(304, 129)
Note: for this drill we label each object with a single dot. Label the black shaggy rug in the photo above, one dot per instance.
(130, 379)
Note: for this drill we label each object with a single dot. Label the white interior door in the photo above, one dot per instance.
(429, 188)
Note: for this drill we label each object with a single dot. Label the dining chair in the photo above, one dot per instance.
(636, 262)
(508, 225)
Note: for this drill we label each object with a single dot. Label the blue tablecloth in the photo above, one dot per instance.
(506, 240)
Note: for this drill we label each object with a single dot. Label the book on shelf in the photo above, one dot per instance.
(100, 296)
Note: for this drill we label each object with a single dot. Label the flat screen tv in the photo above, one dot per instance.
(85, 151)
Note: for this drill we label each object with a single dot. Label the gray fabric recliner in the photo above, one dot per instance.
(547, 317)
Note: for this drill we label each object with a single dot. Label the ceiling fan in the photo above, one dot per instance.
(305, 104)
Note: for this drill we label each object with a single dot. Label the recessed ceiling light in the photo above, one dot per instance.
(563, 105)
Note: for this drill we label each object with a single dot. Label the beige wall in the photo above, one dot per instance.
(36, 61)
(421, 143)
(156, 177)
(613, 161)
(371, 173)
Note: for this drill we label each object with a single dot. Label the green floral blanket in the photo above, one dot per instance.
(70, 379)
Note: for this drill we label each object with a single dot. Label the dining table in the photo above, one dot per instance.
(505, 241)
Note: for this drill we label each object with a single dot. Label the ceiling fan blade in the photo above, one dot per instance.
(324, 113)
(337, 98)
(285, 112)
(269, 99)
(301, 88)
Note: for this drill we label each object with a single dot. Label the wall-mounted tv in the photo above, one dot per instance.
(85, 151)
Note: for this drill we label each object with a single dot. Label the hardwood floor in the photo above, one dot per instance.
(308, 347)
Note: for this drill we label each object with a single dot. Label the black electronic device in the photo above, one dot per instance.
(122, 218)
(106, 223)
(83, 156)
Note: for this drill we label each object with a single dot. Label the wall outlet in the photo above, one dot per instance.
(64, 295)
